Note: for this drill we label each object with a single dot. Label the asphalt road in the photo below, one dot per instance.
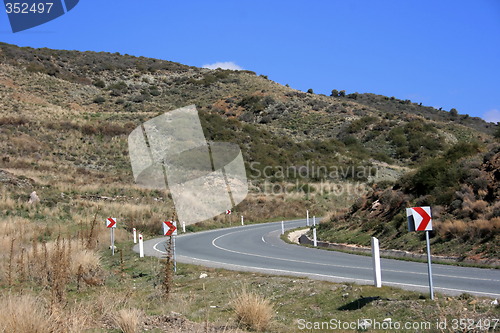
(258, 248)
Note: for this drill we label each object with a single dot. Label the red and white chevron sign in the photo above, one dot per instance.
(111, 222)
(228, 212)
(170, 228)
(419, 218)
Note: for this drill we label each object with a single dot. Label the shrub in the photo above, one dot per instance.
(99, 84)
(118, 88)
(253, 310)
(99, 100)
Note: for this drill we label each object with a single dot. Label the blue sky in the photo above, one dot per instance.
(441, 53)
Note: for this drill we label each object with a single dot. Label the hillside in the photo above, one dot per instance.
(64, 121)
(462, 187)
(65, 117)
(89, 95)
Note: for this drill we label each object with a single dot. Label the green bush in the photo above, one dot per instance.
(99, 100)
(99, 84)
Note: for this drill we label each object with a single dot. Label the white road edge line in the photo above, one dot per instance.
(331, 265)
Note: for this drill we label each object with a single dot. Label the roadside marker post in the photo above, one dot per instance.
(134, 231)
(314, 221)
(282, 227)
(376, 262)
(111, 223)
(420, 219)
(307, 217)
(183, 227)
(315, 240)
(141, 247)
(242, 220)
(228, 212)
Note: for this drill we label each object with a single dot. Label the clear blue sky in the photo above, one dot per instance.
(441, 53)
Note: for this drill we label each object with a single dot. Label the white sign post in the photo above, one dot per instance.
(183, 227)
(376, 263)
(141, 247)
(307, 217)
(314, 221)
(111, 223)
(315, 241)
(282, 227)
(175, 257)
(242, 220)
(134, 232)
(420, 219)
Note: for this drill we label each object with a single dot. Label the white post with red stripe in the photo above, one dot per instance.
(134, 232)
(141, 246)
(420, 219)
(111, 223)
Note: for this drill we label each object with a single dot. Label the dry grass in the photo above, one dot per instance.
(24, 314)
(253, 310)
(477, 228)
(128, 320)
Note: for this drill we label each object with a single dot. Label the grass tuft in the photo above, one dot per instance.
(252, 310)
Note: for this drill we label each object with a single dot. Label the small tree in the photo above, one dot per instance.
(310, 91)
(454, 112)
(342, 93)
(335, 93)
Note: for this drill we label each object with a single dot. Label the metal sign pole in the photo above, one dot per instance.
(431, 286)
(175, 261)
(112, 241)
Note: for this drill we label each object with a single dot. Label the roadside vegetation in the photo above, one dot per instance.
(461, 187)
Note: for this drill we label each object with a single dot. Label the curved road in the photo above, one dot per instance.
(258, 248)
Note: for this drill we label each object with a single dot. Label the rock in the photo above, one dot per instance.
(34, 199)
(203, 275)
